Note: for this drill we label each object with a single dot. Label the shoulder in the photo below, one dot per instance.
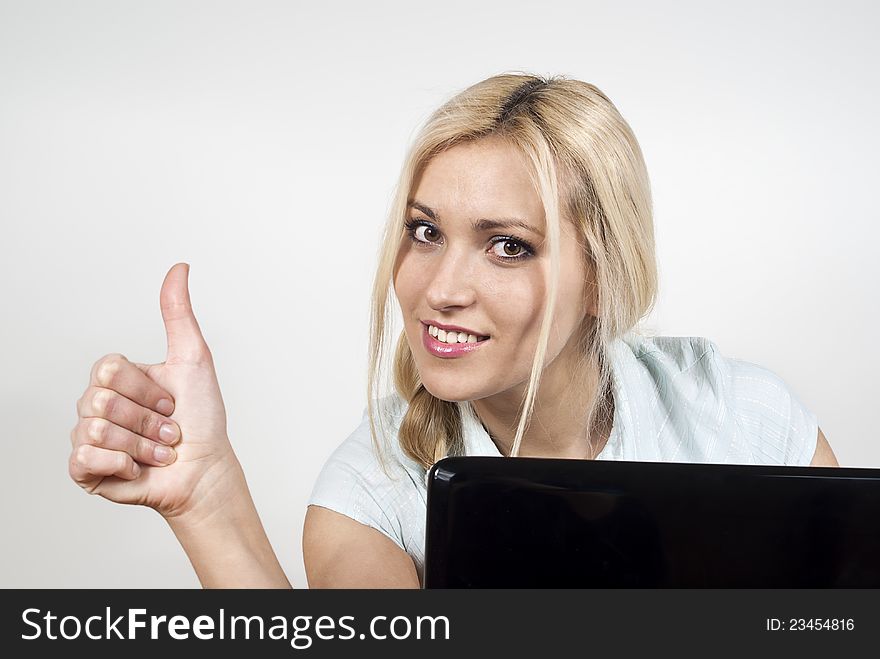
(689, 366)
(672, 355)
(778, 426)
(698, 359)
(784, 428)
(371, 481)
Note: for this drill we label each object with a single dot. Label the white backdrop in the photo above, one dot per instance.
(260, 142)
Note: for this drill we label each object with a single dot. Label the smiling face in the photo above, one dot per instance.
(473, 262)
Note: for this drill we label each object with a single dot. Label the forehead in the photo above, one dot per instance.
(487, 177)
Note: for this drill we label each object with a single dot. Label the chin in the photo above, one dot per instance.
(453, 391)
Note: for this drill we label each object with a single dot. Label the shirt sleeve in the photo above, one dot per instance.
(353, 483)
(780, 428)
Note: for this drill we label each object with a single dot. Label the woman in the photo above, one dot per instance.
(520, 250)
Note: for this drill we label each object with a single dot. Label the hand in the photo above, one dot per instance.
(117, 442)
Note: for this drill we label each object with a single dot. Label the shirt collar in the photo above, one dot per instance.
(630, 418)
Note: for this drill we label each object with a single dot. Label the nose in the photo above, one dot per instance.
(452, 283)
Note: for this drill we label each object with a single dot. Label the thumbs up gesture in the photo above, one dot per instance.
(155, 434)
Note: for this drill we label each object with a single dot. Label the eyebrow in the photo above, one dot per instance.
(480, 224)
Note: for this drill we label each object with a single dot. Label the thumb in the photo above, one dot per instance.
(185, 341)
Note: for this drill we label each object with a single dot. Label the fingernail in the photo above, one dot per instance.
(137, 470)
(163, 454)
(165, 407)
(168, 432)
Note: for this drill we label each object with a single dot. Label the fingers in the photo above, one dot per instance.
(115, 372)
(89, 464)
(123, 424)
(107, 435)
(108, 404)
(185, 340)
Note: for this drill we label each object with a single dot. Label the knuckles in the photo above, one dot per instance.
(79, 465)
(97, 431)
(106, 373)
(147, 423)
(73, 467)
(107, 367)
(103, 401)
(81, 455)
(144, 450)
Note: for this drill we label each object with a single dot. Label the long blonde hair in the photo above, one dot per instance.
(586, 165)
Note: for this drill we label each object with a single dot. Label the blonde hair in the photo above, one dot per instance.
(586, 165)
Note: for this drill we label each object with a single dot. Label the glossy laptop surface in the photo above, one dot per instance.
(551, 523)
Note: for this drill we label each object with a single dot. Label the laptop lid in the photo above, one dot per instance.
(497, 522)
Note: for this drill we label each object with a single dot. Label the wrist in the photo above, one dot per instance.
(224, 537)
(219, 499)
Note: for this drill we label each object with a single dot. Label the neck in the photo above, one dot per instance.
(558, 425)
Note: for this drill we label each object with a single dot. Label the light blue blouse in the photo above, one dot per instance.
(676, 399)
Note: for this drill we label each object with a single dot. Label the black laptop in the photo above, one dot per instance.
(498, 522)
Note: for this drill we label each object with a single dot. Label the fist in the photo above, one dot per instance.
(155, 434)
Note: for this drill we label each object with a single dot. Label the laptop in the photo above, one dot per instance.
(497, 522)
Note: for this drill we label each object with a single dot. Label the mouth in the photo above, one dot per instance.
(452, 334)
(450, 342)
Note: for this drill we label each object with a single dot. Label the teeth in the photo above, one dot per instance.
(451, 337)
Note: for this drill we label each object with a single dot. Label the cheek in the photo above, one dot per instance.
(514, 306)
(407, 283)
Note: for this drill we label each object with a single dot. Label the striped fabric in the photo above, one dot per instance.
(676, 399)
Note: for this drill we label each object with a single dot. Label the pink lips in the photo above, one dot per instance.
(447, 350)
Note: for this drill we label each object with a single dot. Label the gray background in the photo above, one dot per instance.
(260, 141)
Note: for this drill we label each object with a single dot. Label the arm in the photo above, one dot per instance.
(228, 547)
(824, 456)
(340, 552)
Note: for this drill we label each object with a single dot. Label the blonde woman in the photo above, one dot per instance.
(520, 251)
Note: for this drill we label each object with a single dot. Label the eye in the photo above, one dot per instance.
(511, 249)
(422, 232)
(427, 234)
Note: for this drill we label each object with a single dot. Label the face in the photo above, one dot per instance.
(470, 276)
